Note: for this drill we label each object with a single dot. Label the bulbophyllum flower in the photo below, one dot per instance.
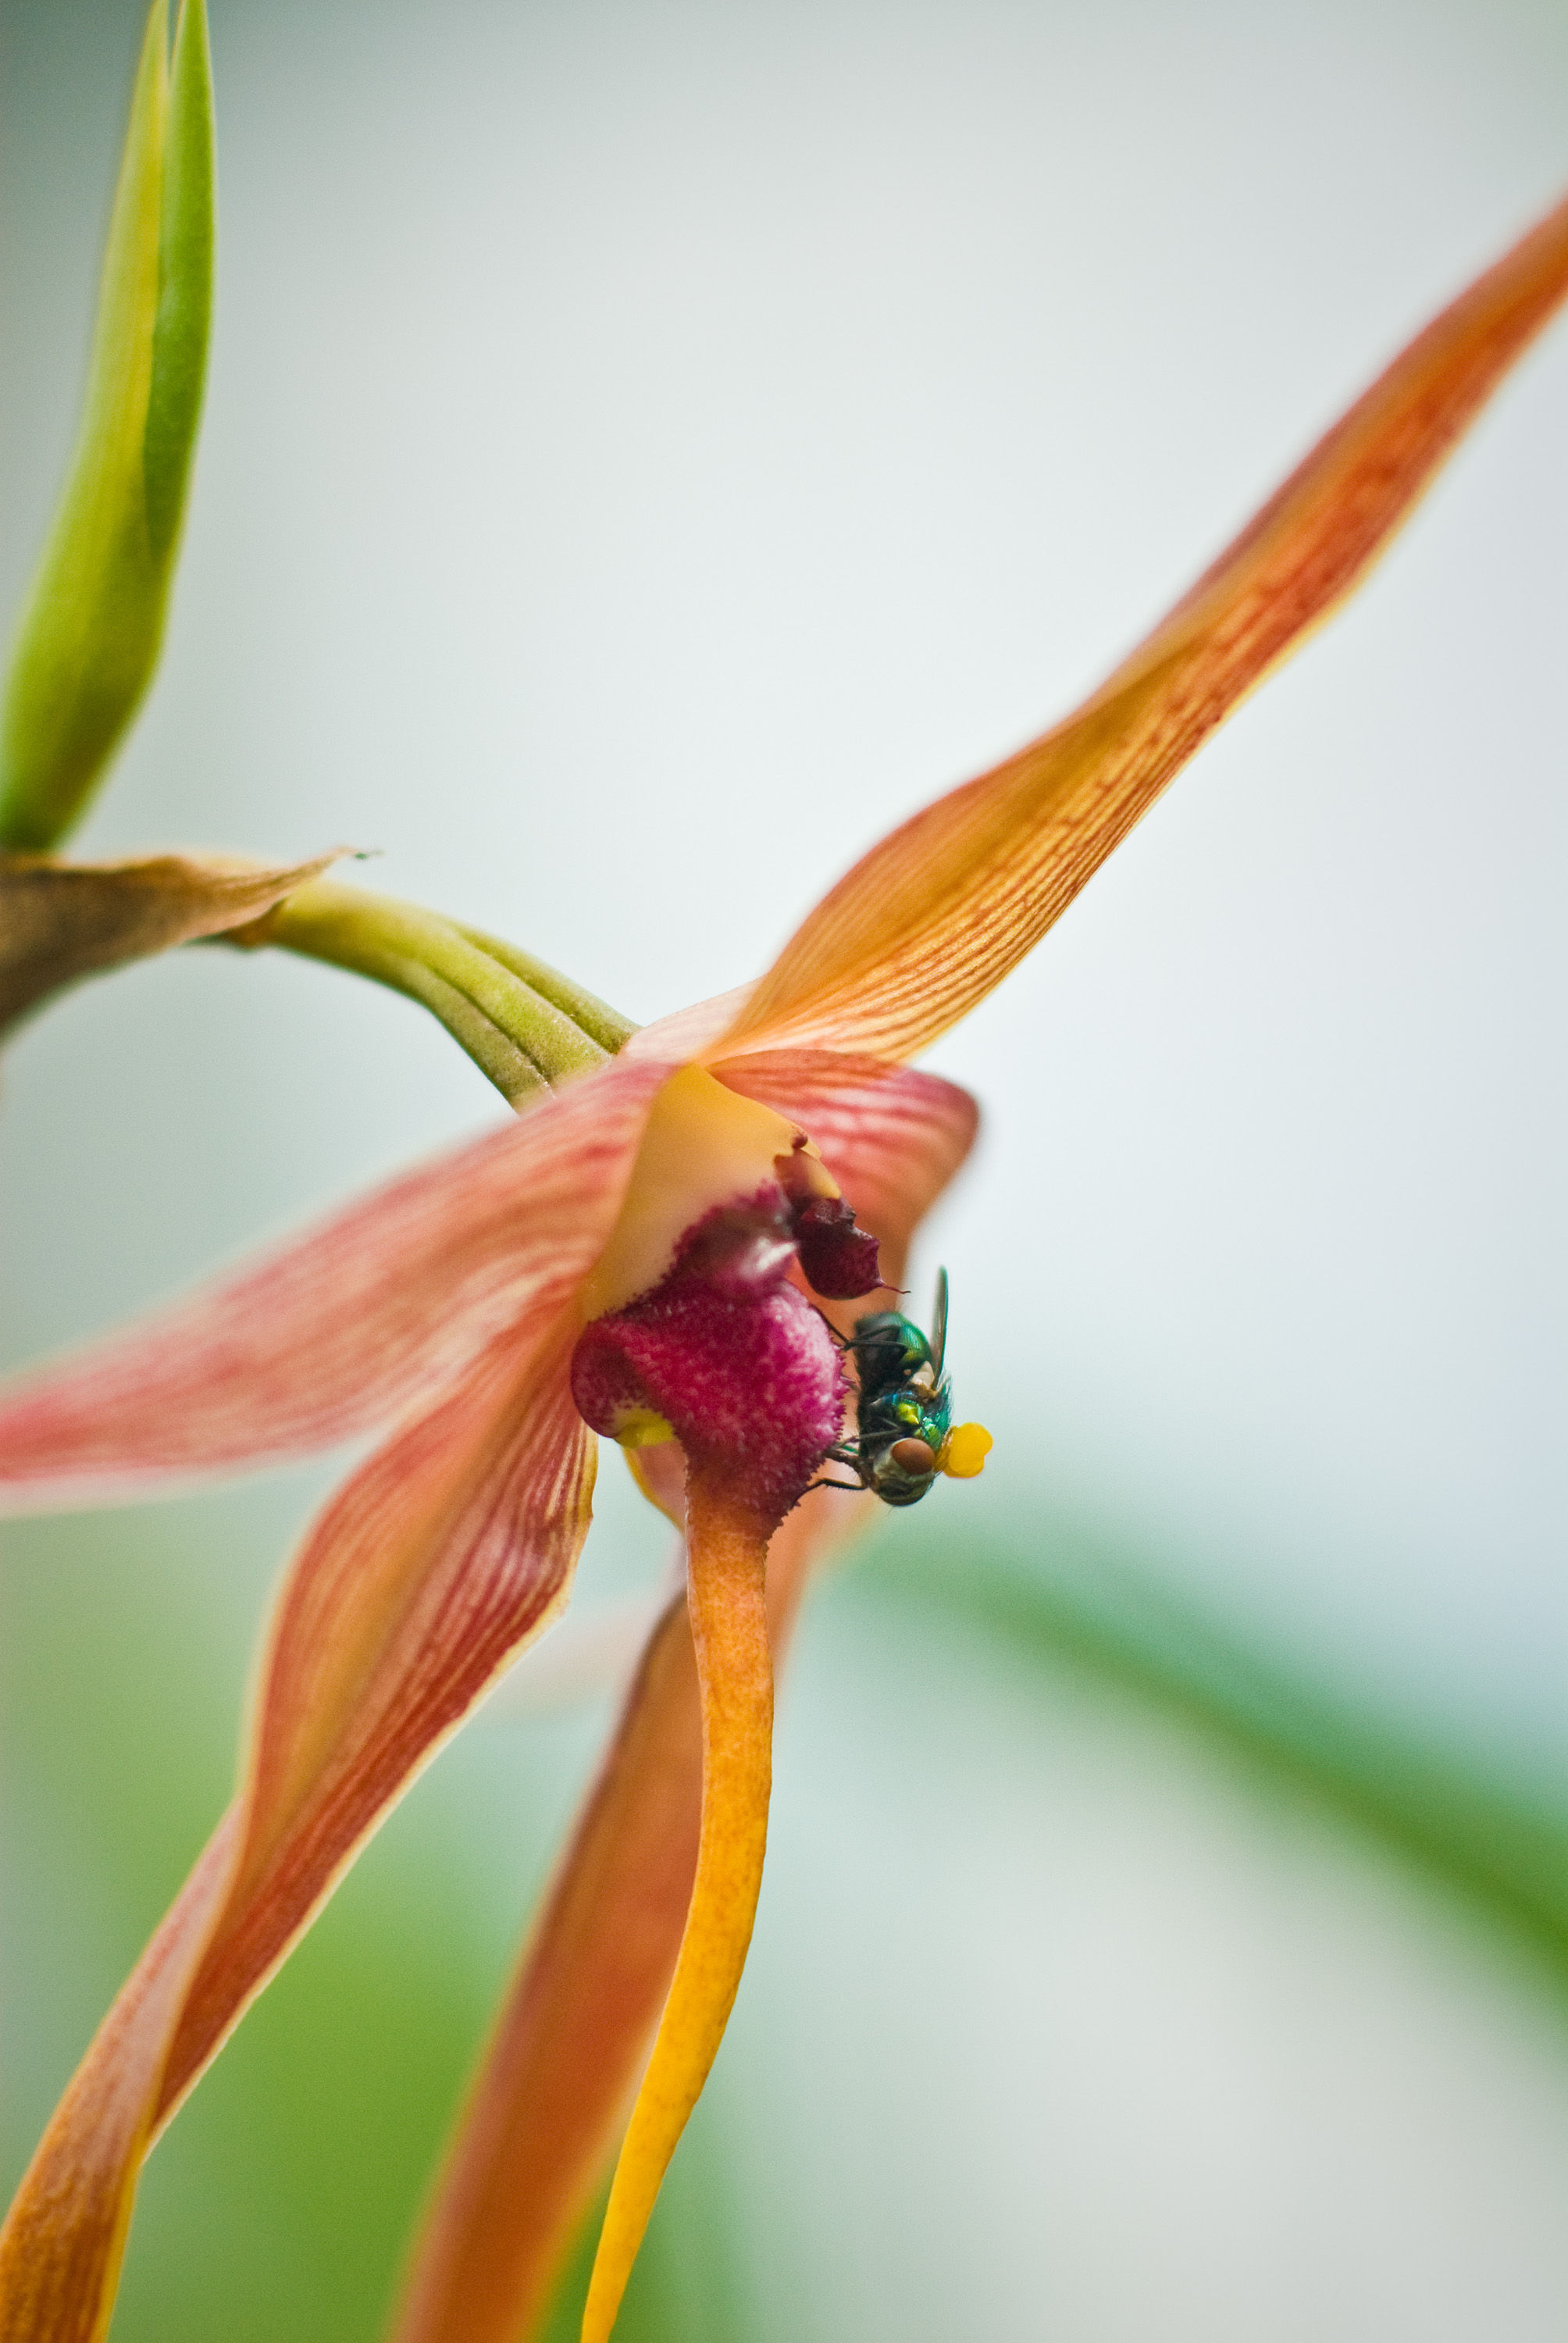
(636, 1250)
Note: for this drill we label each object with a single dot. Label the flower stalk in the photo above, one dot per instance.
(727, 1551)
(526, 1027)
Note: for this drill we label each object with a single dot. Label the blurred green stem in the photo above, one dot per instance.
(523, 1025)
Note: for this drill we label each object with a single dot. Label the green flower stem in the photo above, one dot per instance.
(526, 1028)
(603, 1024)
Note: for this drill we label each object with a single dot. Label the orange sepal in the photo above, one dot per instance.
(938, 914)
(420, 1580)
(370, 1314)
(550, 2095)
(727, 1553)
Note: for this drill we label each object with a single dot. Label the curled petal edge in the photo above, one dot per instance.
(938, 913)
(421, 1579)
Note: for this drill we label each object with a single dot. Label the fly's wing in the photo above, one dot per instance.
(940, 1323)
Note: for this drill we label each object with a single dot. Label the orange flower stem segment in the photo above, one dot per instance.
(727, 1548)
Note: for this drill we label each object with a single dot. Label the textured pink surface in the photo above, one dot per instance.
(730, 1353)
(839, 1261)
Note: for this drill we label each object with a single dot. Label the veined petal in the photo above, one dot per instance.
(345, 1325)
(61, 920)
(448, 1549)
(937, 914)
(891, 1141)
(542, 2116)
(687, 1032)
(421, 1579)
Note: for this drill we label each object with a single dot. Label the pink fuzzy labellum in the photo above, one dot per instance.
(726, 1354)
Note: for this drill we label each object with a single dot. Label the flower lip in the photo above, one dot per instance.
(739, 1250)
(703, 1146)
(726, 1353)
(839, 1261)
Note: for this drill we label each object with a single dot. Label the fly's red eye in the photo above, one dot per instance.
(913, 1456)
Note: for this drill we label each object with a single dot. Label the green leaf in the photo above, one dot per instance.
(90, 633)
(184, 321)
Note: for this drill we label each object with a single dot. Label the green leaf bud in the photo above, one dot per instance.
(89, 636)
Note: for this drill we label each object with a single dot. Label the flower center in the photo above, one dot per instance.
(726, 1354)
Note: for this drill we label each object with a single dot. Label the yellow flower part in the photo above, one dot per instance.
(963, 1452)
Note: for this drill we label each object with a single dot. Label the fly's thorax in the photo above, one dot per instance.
(889, 1350)
(908, 1412)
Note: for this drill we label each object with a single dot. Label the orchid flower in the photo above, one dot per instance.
(633, 1253)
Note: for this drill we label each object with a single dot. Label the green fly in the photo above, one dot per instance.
(904, 1431)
